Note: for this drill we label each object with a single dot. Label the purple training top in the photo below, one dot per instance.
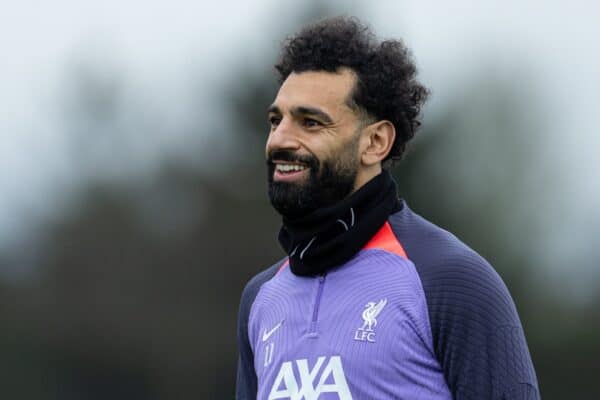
(414, 315)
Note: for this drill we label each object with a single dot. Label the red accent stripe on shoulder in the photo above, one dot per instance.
(385, 239)
(285, 264)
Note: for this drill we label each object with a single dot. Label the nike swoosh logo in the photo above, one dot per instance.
(268, 334)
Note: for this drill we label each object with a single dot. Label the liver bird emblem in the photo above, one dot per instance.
(370, 314)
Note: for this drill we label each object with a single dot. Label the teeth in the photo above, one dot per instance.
(289, 167)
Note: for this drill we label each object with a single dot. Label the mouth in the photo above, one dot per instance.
(288, 171)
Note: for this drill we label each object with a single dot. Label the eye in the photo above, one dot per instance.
(274, 120)
(311, 123)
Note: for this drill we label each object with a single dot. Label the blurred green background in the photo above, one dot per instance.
(133, 206)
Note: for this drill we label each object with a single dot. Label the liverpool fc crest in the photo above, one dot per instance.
(366, 333)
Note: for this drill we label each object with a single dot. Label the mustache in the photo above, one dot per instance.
(286, 155)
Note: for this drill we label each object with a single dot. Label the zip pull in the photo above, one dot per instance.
(315, 316)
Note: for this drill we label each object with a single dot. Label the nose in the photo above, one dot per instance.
(283, 137)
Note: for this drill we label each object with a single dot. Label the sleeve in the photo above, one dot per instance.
(246, 383)
(477, 335)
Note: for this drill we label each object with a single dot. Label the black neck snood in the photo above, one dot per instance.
(330, 236)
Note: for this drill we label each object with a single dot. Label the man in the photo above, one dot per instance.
(372, 301)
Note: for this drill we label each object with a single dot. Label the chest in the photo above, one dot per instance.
(339, 333)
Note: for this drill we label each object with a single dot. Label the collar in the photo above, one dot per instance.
(331, 236)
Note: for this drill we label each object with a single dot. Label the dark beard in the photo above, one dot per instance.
(329, 182)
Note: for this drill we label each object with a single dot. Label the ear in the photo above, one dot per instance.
(378, 140)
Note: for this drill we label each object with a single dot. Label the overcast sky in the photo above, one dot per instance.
(155, 43)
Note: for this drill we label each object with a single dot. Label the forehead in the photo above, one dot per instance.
(327, 90)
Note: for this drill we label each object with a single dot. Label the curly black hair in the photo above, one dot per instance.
(386, 87)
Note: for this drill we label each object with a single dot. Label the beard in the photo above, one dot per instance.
(329, 181)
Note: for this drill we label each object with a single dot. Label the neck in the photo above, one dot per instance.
(331, 236)
(364, 175)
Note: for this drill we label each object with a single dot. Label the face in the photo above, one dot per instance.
(313, 145)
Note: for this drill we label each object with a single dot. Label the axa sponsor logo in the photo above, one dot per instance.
(366, 333)
(325, 376)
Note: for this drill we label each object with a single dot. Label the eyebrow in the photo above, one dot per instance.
(304, 110)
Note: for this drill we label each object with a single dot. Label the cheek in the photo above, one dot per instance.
(322, 147)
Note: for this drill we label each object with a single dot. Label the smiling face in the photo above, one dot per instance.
(314, 143)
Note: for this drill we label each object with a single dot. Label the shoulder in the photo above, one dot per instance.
(249, 295)
(477, 335)
(254, 284)
(452, 274)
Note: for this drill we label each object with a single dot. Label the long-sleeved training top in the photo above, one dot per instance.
(415, 314)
